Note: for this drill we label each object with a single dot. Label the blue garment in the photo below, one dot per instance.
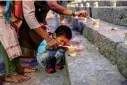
(45, 58)
(7, 11)
(41, 49)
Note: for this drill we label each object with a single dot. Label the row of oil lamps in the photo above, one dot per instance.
(95, 4)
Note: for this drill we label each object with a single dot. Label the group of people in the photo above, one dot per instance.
(24, 21)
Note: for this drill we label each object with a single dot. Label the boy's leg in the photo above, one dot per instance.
(47, 62)
(10, 68)
(60, 60)
(60, 57)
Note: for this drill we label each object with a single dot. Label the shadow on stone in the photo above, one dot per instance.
(124, 83)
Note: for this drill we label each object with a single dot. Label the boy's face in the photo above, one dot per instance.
(62, 40)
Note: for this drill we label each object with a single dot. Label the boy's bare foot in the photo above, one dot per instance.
(16, 78)
(25, 70)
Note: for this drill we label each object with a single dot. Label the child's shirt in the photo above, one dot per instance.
(42, 49)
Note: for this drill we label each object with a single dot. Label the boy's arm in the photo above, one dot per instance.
(41, 48)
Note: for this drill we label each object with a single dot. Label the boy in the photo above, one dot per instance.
(54, 58)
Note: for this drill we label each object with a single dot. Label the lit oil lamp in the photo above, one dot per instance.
(81, 5)
(72, 48)
(96, 4)
(87, 4)
(72, 51)
(68, 5)
(76, 5)
(79, 1)
(96, 22)
(113, 3)
(63, 22)
(125, 37)
(85, 19)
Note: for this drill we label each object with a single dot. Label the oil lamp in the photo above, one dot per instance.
(85, 19)
(63, 22)
(96, 22)
(96, 4)
(113, 3)
(68, 5)
(76, 5)
(72, 50)
(81, 5)
(87, 4)
(125, 37)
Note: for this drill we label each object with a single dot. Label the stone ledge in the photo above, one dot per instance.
(110, 43)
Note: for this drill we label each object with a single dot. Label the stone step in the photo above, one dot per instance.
(111, 43)
(110, 40)
(114, 15)
(90, 67)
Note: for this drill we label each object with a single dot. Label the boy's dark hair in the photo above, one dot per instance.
(64, 30)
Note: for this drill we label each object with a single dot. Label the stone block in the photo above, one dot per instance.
(114, 15)
(122, 58)
(91, 68)
(105, 45)
(109, 44)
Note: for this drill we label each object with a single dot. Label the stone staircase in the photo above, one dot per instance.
(111, 42)
(89, 67)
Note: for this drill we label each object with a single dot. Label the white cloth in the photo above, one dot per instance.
(29, 14)
(9, 40)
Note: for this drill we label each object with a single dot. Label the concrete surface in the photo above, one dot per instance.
(42, 78)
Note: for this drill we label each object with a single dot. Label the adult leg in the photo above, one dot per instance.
(10, 68)
(9, 41)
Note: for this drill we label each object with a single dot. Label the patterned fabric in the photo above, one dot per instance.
(16, 15)
(29, 14)
(9, 40)
(7, 11)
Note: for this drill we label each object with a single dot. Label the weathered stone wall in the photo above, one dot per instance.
(111, 46)
(109, 42)
(115, 15)
(121, 50)
(105, 11)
